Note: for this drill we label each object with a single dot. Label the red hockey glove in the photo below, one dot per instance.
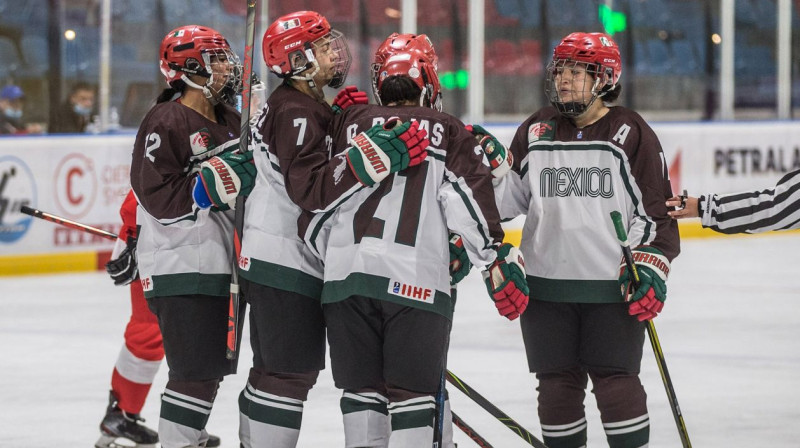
(347, 97)
(505, 280)
(459, 261)
(385, 149)
(653, 268)
(647, 307)
(499, 157)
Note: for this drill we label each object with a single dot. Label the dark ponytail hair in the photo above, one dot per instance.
(169, 93)
(613, 94)
(399, 89)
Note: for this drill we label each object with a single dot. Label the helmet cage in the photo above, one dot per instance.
(222, 64)
(306, 59)
(201, 51)
(597, 75)
(292, 44)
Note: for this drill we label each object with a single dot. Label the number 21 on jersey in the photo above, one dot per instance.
(408, 198)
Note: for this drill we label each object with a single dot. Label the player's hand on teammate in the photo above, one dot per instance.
(347, 97)
(506, 282)
(223, 178)
(647, 300)
(683, 206)
(459, 261)
(499, 157)
(124, 268)
(385, 149)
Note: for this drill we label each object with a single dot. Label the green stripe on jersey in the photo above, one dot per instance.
(473, 214)
(581, 291)
(190, 283)
(376, 287)
(282, 277)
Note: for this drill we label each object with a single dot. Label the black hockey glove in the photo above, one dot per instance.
(124, 269)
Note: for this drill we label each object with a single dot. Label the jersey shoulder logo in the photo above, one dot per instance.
(201, 141)
(541, 130)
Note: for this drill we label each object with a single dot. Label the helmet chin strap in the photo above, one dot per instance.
(309, 78)
(206, 91)
(575, 108)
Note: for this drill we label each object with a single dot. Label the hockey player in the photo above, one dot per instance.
(747, 212)
(386, 296)
(573, 163)
(283, 280)
(141, 353)
(184, 253)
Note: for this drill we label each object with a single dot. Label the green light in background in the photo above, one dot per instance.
(454, 80)
(613, 21)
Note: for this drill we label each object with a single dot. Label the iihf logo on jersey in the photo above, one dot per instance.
(412, 292)
(147, 284)
(244, 263)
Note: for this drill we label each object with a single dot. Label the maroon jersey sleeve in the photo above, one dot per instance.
(160, 155)
(304, 149)
(649, 168)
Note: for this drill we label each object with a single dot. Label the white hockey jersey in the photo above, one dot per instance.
(390, 241)
(567, 181)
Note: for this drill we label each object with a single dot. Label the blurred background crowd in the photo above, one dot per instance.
(52, 63)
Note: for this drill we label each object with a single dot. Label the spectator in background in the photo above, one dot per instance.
(11, 100)
(74, 114)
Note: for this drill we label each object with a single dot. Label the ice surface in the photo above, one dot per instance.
(729, 332)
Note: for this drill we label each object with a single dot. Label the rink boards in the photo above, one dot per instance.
(85, 179)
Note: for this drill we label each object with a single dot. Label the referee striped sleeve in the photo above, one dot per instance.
(776, 208)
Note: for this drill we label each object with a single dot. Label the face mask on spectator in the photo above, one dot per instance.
(81, 110)
(14, 114)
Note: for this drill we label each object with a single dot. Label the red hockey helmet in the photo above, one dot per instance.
(196, 50)
(593, 48)
(290, 43)
(410, 55)
(598, 55)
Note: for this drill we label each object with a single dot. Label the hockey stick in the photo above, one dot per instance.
(234, 308)
(494, 411)
(438, 427)
(66, 222)
(622, 236)
(463, 426)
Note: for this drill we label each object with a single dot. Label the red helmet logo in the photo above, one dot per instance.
(288, 46)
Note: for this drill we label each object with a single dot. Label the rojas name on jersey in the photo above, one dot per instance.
(435, 135)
